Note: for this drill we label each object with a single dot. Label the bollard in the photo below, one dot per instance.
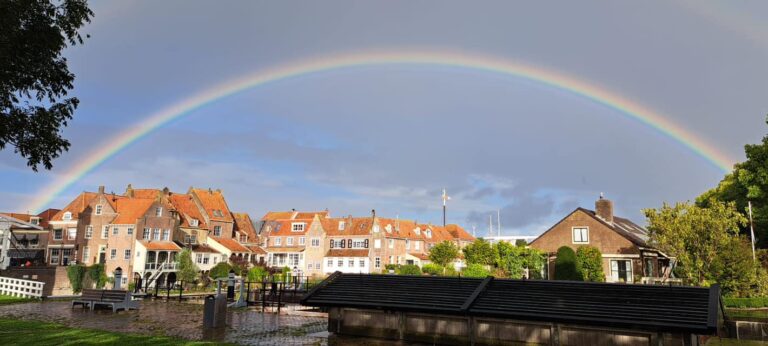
(231, 286)
(215, 311)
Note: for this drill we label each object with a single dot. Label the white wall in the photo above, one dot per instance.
(345, 267)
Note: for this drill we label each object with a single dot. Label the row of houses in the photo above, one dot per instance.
(142, 231)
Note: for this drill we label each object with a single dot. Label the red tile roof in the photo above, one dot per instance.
(160, 245)
(279, 249)
(347, 253)
(231, 244)
(277, 215)
(214, 204)
(130, 209)
(43, 217)
(76, 206)
(146, 193)
(244, 225)
(355, 226)
(284, 228)
(185, 205)
(458, 232)
(203, 248)
(256, 249)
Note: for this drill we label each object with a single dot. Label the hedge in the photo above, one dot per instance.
(565, 265)
(754, 302)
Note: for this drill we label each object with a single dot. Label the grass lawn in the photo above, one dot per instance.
(13, 300)
(18, 332)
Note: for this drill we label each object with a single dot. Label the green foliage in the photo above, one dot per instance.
(75, 274)
(479, 252)
(409, 269)
(389, 267)
(695, 235)
(187, 269)
(565, 265)
(220, 271)
(589, 264)
(754, 302)
(747, 182)
(97, 275)
(444, 253)
(257, 274)
(475, 271)
(521, 242)
(34, 78)
(736, 272)
(432, 269)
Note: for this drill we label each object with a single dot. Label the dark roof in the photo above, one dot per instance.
(640, 307)
(635, 233)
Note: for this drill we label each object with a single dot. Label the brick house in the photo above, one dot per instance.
(627, 256)
(27, 246)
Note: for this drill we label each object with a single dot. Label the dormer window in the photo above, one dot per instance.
(67, 216)
(428, 233)
(35, 221)
(342, 224)
(297, 227)
(193, 222)
(99, 209)
(417, 230)
(217, 213)
(159, 211)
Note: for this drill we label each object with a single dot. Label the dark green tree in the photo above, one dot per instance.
(444, 253)
(479, 251)
(565, 265)
(188, 270)
(521, 242)
(220, 271)
(34, 78)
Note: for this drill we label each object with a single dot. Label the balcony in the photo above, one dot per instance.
(172, 266)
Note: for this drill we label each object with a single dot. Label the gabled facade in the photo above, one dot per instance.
(627, 257)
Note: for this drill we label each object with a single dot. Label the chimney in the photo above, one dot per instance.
(604, 209)
(166, 191)
(101, 189)
(129, 191)
(373, 213)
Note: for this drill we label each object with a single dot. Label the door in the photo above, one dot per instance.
(102, 254)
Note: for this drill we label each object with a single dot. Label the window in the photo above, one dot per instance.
(309, 265)
(57, 233)
(190, 239)
(278, 240)
(376, 228)
(206, 258)
(98, 209)
(86, 253)
(67, 216)
(166, 234)
(580, 235)
(243, 238)
(147, 234)
(317, 266)
(377, 262)
(289, 241)
(157, 234)
(35, 221)
(105, 232)
(407, 244)
(125, 280)
(428, 233)
(159, 211)
(193, 223)
(340, 263)
(649, 267)
(417, 231)
(293, 259)
(621, 270)
(315, 242)
(130, 230)
(217, 231)
(55, 256)
(297, 227)
(127, 254)
(391, 243)
(342, 224)
(330, 263)
(112, 253)
(417, 245)
(138, 254)
(115, 230)
(351, 263)
(215, 259)
(362, 263)
(301, 241)
(199, 258)
(377, 243)
(72, 233)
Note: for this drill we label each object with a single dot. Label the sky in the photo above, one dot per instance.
(391, 137)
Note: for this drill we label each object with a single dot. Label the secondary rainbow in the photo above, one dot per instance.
(537, 74)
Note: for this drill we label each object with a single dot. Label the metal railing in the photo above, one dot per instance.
(161, 266)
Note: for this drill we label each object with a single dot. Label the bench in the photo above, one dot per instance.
(117, 299)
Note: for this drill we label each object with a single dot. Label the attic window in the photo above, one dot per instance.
(418, 231)
(35, 221)
(297, 227)
(428, 233)
(67, 216)
(193, 222)
(342, 224)
(99, 209)
(217, 213)
(580, 235)
(159, 211)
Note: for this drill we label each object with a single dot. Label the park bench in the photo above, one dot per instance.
(117, 299)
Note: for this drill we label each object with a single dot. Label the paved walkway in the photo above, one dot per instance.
(244, 326)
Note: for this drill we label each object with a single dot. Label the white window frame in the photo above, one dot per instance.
(298, 226)
(193, 222)
(156, 234)
(342, 225)
(70, 234)
(166, 234)
(217, 231)
(99, 209)
(55, 254)
(112, 254)
(315, 242)
(417, 245)
(127, 254)
(86, 253)
(377, 243)
(158, 211)
(302, 241)
(67, 216)
(578, 235)
(391, 243)
(330, 262)
(288, 241)
(615, 273)
(147, 235)
(105, 232)
(278, 241)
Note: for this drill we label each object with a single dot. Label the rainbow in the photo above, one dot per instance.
(335, 62)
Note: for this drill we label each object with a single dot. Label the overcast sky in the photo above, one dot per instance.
(391, 137)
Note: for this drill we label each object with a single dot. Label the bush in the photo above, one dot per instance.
(475, 271)
(409, 269)
(257, 274)
(432, 269)
(589, 264)
(754, 302)
(565, 265)
(220, 270)
(97, 275)
(450, 271)
(76, 274)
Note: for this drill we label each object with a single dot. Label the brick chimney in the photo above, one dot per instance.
(101, 189)
(604, 209)
(129, 191)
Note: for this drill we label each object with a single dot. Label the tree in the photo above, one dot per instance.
(432, 269)
(34, 78)
(409, 269)
(187, 269)
(444, 253)
(475, 271)
(257, 274)
(747, 182)
(479, 251)
(736, 272)
(565, 265)
(220, 271)
(694, 235)
(521, 242)
(589, 264)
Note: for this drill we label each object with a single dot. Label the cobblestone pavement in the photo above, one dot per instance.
(244, 326)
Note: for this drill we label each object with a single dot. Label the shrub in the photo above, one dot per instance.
(409, 269)
(432, 269)
(76, 274)
(257, 274)
(754, 302)
(565, 265)
(220, 270)
(97, 275)
(589, 264)
(475, 271)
